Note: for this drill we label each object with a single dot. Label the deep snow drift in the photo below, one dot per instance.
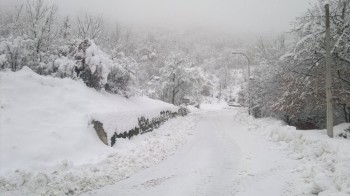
(45, 128)
(45, 120)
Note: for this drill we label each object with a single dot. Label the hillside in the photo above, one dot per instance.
(45, 120)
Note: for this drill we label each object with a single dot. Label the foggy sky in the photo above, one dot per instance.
(240, 16)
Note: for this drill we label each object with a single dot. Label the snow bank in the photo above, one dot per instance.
(127, 158)
(324, 163)
(47, 146)
(45, 120)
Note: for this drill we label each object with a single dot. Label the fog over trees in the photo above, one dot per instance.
(287, 77)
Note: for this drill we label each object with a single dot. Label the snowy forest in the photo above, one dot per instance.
(142, 76)
(287, 69)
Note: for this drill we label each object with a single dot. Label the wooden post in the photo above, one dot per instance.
(328, 77)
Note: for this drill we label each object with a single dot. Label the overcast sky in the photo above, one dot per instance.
(241, 16)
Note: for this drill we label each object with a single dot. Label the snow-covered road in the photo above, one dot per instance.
(222, 158)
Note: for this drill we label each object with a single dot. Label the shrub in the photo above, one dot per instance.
(345, 134)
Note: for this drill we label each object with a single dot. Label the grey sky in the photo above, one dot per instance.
(241, 16)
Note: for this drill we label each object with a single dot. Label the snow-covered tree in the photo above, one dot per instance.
(180, 80)
(15, 52)
(307, 60)
(290, 83)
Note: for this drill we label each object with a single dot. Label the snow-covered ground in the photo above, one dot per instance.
(125, 159)
(233, 154)
(321, 166)
(45, 134)
(48, 148)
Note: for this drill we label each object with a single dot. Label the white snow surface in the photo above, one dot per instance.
(233, 154)
(44, 121)
(214, 105)
(127, 158)
(48, 148)
(322, 163)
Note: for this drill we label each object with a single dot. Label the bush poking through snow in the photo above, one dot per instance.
(345, 134)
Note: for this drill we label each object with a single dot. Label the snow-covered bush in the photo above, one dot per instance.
(64, 67)
(15, 52)
(92, 65)
(117, 81)
(97, 69)
(80, 59)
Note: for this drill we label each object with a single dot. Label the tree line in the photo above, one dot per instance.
(171, 66)
(289, 82)
(288, 72)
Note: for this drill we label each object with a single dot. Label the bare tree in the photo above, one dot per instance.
(89, 26)
(65, 28)
(38, 21)
(9, 21)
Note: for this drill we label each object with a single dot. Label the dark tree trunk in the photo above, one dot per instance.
(347, 114)
(174, 90)
(173, 96)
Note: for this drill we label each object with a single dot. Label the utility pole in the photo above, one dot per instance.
(249, 89)
(328, 76)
